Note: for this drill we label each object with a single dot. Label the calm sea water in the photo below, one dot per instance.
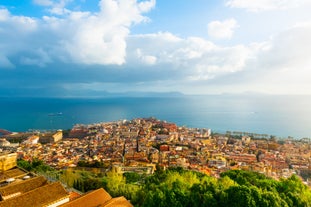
(274, 115)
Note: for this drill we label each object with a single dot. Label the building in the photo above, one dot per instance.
(7, 161)
(18, 188)
(217, 163)
(78, 131)
(147, 169)
(4, 142)
(98, 198)
(21, 188)
(51, 137)
(50, 195)
(12, 175)
(33, 139)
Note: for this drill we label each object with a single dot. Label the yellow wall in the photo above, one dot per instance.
(7, 161)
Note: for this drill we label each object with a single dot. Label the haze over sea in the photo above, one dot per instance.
(280, 115)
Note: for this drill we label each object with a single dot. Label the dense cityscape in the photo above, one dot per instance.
(72, 72)
(140, 144)
(150, 162)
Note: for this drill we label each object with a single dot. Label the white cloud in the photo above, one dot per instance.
(95, 40)
(146, 6)
(43, 2)
(79, 37)
(20, 23)
(4, 14)
(290, 51)
(147, 59)
(103, 38)
(15, 36)
(222, 29)
(56, 7)
(281, 65)
(195, 58)
(264, 5)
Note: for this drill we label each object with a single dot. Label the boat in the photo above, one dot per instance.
(56, 114)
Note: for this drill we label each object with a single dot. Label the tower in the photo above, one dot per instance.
(137, 144)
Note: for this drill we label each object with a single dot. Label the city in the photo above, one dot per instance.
(139, 145)
(154, 103)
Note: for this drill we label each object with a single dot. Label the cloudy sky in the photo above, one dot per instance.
(87, 47)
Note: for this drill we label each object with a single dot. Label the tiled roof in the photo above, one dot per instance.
(117, 202)
(92, 199)
(23, 186)
(73, 195)
(13, 173)
(38, 197)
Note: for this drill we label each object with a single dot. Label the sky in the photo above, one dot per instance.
(86, 48)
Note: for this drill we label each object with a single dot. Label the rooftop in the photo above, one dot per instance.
(38, 197)
(91, 199)
(23, 186)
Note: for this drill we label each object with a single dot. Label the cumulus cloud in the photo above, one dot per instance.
(145, 6)
(222, 29)
(101, 38)
(264, 5)
(67, 43)
(147, 59)
(15, 36)
(43, 2)
(4, 14)
(290, 51)
(281, 65)
(72, 36)
(195, 58)
(55, 7)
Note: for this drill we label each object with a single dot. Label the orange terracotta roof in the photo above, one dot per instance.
(117, 202)
(73, 195)
(38, 197)
(23, 186)
(12, 173)
(92, 199)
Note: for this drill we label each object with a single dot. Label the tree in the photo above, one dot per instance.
(24, 164)
(239, 196)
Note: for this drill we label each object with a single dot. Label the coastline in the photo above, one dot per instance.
(281, 116)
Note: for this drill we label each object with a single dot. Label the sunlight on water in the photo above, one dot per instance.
(275, 115)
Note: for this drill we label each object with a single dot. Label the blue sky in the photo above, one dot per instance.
(86, 47)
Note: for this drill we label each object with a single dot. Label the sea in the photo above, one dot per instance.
(281, 116)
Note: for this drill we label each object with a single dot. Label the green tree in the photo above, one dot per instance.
(239, 196)
(272, 199)
(24, 164)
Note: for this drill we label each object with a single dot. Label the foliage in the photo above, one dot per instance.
(178, 187)
(35, 165)
(132, 177)
(95, 164)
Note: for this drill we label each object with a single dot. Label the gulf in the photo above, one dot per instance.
(280, 115)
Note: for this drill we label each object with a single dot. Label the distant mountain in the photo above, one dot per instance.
(106, 94)
(86, 94)
(148, 94)
(81, 93)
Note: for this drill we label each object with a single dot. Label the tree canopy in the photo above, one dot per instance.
(234, 188)
(176, 187)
